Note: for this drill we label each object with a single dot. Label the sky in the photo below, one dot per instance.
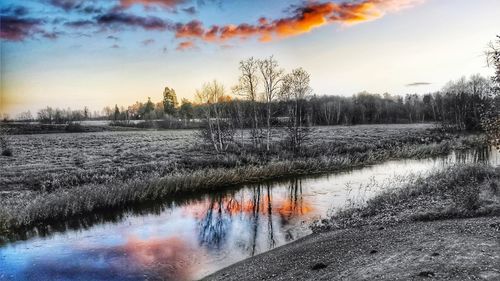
(76, 53)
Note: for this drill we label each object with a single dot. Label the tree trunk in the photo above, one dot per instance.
(256, 125)
(210, 129)
(219, 133)
(268, 125)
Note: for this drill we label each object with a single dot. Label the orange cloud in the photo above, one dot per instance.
(185, 45)
(304, 19)
(191, 29)
(171, 258)
(285, 207)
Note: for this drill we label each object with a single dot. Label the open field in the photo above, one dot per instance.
(40, 160)
(49, 161)
(57, 176)
(95, 126)
(21, 128)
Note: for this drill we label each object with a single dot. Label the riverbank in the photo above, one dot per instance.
(81, 188)
(466, 249)
(445, 226)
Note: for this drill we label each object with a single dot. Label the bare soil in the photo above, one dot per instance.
(463, 249)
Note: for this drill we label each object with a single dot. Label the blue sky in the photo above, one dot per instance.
(121, 51)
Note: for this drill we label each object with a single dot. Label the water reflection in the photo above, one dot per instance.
(153, 259)
(261, 211)
(191, 237)
(486, 155)
(174, 242)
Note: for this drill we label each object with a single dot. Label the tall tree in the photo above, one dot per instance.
(204, 99)
(219, 132)
(295, 90)
(248, 88)
(148, 110)
(116, 114)
(169, 101)
(490, 119)
(86, 114)
(272, 77)
(186, 109)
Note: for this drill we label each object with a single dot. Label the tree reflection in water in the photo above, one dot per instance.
(259, 212)
(189, 237)
(475, 156)
(214, 226)
(272, 241)
(295, 208)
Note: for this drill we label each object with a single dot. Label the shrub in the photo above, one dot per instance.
(455, 192)
(4, 145)
(6, 152)
(467, 196)
(75, 128)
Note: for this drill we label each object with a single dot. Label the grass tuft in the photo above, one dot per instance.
(459, 191)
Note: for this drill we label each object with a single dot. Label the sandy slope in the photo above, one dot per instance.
(467, 249)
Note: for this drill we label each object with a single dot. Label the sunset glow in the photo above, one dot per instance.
(73, 53)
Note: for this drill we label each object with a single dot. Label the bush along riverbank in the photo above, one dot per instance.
(459, 191)
(29, 209)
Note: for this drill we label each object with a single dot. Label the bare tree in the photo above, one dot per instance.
(46, 115)
(490, 119)
(203, 97)
(220, 132)
(295, 90)
(25, 116)
(272, 77)
(248, 88)
(493, 59)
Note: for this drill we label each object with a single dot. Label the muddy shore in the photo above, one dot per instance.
(458, 249)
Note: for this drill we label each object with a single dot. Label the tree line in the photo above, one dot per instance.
(266, 97)
(458, 103)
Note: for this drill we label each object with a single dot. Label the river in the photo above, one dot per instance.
(190, 238)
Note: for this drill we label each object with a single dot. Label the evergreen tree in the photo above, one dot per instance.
(116, 115)
(149, 108)
(169, 101)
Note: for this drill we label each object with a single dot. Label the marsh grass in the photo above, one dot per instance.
(33, 208)
(67, 176)
(50, 162)
(459, 191)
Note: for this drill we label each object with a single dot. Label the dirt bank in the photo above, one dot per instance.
(461, 249)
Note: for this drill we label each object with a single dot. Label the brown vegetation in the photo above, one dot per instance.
(455, 192)
(56, 177)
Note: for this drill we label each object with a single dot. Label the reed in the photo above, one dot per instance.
(32, 208)
(460, 191)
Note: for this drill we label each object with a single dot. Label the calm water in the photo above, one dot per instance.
(192, 238)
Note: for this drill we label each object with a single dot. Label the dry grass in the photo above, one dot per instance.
(459, 191)
(48, 162)
(58, 176)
